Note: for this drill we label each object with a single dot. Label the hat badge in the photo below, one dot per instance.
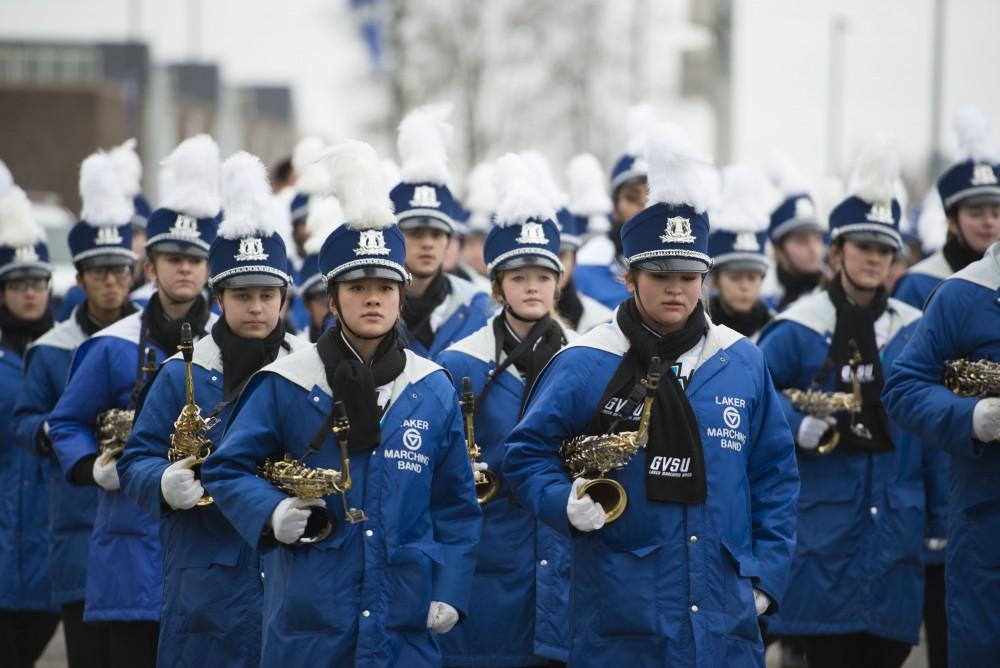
(185, 227)
(251, 248)
(804, 208)
(25, 254)
(425, 197)
(532, 233)
(746, 241)
(371, 242)
(983, 175)
(678, 231)
(107, 236)
(881, 212)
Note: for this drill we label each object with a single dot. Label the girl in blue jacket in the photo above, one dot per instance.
(856, 589)
(518, 609)
(704, 543)
(212, 592)
(396, 565)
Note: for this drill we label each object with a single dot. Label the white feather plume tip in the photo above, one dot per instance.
(128, 167)
(312, 175)
(518, 198)
(357, 176)
(742, 205)
(975, 141)
(932, 223)
(587, 195)
(480, 192)
(391, 172)
(325, 215)
(246, 198)
(195, 167)
(6, 179)
(678, 172)
(785, 175)
(423, 141)
(538, 166)
(18, 227)
(875, 174)
(641, 120)
(105, 204)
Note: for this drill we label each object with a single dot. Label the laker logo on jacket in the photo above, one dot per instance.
(409, 458)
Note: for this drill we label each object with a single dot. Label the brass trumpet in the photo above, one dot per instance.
(605, 452)
(966, 378)
(190, 428)
(487, 482)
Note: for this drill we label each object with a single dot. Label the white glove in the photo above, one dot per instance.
(811, 430)
(106, 473)
(288, 519)
(178, 485)
(935, 544)
(480, 466)
(762, 601)
(585, 514)
(986, 420)
(441, 617)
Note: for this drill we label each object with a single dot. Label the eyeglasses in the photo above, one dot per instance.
(100, 273)
(26, 284)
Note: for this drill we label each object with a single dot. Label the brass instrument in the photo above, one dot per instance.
(115, 424)
(820, 404)
(606, 452)
(972, 379)
(487, 482)
(188, 439)
(295, 477)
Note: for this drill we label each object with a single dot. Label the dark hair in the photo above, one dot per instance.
(281, 171)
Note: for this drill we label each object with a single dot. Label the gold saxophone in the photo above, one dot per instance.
(823, 404)
(606, 452)
(487, 482)
(293, 476)
(188, 439)
(115, 424)
(972, 379)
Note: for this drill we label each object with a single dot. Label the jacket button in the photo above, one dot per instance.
(693, 539)
(544, 562)
(369, 533)
(366, 613)
(694, 608)
(873, 510)
(214, 378)
(316, 399)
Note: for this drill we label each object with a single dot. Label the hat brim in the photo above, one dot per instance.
(109, 260)
(980, 198)
(25, 272)
(672, 265)
(866, 236)
(370, 272)
(420, 223)
(528, 261)
(252, 281)
(741, 265)
(174, 248)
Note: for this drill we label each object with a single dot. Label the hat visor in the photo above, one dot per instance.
(424, 223)
(109, 260)
(670, 265)
(173, 247)
(528, 261)
(742, 265)
(25, 272)
(370, 272)
(866, 236)
(255, 280)
(797, 227)
(979, 198)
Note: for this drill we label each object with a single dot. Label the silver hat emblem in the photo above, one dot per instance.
(983, 175)
(251, 248)
(532, 233)
(678, 231)
(107, 236)
(185, 227)
(881, 212)
(746, 241)
(425, 197)
(804, 208)
(371, 242)
(25, 254)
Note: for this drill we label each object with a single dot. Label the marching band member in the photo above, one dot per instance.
(212, 593)
(736, 245)
(108, 371)
(439, 308)
(796, 234)
(856, 588)
(518, 612)
(398, 565)
(704, 542)
(27, 616)
(970, 195)
(600, 268)
(961, 322)
(101, 249)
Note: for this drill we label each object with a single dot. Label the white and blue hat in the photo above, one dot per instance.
(871, 212)
(103, 236)
(369, 244)
(632, 166)
(23, 253)
(248, 251)
(525, 233)
(128, 167)
(671, 233)
(188, 218)
(797, 210)
(422, 197)
(325, 215)
(312, 175)
(739, 224)
(976, 177)
(588, 201)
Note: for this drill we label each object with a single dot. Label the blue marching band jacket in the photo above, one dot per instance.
(919, 281)
(519, 611)
(464, 311)
(600, 274)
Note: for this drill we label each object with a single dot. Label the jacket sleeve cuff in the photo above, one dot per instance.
(83, 471)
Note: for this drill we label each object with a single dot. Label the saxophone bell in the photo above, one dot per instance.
(487, 482)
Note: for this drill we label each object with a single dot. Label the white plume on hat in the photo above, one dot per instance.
(640, 121)
(480, 191)
(248, 206)
(128, 167)
(785, 175)
(6, 179)
(18, 227)
(541, 171)
(875, 174)
(392, 173)
(192, 186)
(313, 176)
(975, 141)
(518, 197)
(587, 196)
(678, 172)
(423, 141)
(105, 204)
(742, 206)
(932, 223)
(360, 183)
(325, 215)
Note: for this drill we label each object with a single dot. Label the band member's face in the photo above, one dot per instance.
(180, 277)
(568, 259)
(866, 263)
(801, 252)
(665, 301)
(530, 291)
(739, 290)
(106, 287)
(630, 199)
(979, 225)
(251, 313)
(425, 251)
(369, 307)
(26, 298)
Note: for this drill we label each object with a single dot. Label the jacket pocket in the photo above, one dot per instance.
(739, 609)
(982, 524)
(319, 591)
(908, 521)
(410, 576)
(628, 591)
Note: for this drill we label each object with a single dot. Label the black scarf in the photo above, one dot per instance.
(528, 355)
(570, 305)
(16, 334)
(855, 331)
(795, 285)
(747, 324)
(958, 254)
(417, 310)
(166, 333)
(90, 325)
(354, 382)
(674, 435)
(242, 357)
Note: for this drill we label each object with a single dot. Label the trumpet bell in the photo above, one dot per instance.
(609, 493)
(487, 485)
